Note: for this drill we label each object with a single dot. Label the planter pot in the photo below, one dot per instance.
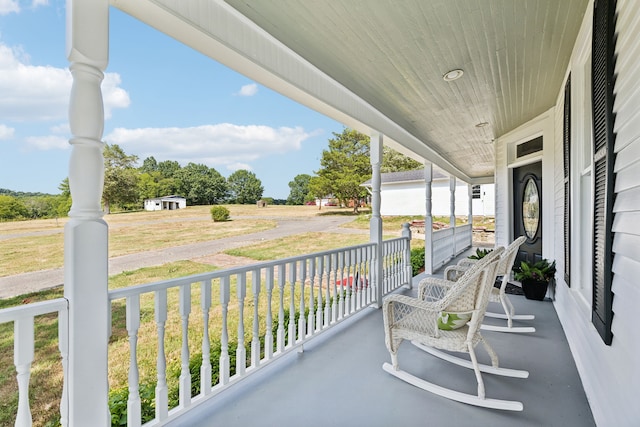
(535, 290)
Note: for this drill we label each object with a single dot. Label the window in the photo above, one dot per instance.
(475, 192)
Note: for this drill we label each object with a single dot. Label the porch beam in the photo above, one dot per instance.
(375, 224)
(428, 219)
(86, 233)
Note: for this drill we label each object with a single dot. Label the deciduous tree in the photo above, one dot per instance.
(299, 189)
(201, 185)
(244, 187)
(346, 165)
(120, 177)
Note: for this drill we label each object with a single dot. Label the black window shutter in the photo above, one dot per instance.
(603, 66)
(566, 150)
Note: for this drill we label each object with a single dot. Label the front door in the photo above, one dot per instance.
(527, 210)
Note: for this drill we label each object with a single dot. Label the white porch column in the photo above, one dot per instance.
(428, 220)
(86, 242)
(375, 224)
(470, 219)
(452, 210)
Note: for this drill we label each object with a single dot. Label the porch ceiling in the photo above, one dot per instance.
(392, 56)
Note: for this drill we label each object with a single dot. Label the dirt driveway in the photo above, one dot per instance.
(206, 252)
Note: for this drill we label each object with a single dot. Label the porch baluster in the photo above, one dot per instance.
(357, 280)
(134, 410)
(334, 304)
(268, 336)
(241, 352)
(320, 302)
(255, 342)
(347, 283)
(205, 368)
(23, 358)
(162, 399)
(224, 339)
(63, 346)
(340, 273)
(327, 299)
(280, 333)
(185, 374)
(302, 322)
(368, 272)
(317, 306)
(292, 305)
(312, 306)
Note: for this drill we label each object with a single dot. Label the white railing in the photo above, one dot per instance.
(277, 306)
(447, 244)
(396, 264)
(255, 314)
(23, 318)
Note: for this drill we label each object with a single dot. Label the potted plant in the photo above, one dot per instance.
(535, 277)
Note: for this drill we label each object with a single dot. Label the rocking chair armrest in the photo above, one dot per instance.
(430, 283)
(416, 303)
(453, 272)
(467, 262)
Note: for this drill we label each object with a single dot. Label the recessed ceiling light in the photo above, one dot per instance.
(482, 124)
(452, 75)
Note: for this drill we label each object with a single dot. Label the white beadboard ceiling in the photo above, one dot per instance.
(378, 65)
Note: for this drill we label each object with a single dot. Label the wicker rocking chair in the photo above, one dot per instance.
(426, 322)
(498, 294)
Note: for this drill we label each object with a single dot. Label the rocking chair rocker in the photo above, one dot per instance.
(421, 320)
(498, 294)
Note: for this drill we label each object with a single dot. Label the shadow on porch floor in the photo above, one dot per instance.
(339, 381)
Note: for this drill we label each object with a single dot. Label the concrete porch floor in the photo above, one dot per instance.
(338, 381)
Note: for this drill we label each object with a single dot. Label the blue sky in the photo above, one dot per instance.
(162, 99)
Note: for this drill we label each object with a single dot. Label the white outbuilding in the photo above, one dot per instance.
(165, 203)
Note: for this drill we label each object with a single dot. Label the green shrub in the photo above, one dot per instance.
(118, 404)
(417, 260)
(219, 213)
(480, 253)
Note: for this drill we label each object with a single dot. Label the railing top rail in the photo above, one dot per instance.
(396, 239)
(34, 309)
(166, 284)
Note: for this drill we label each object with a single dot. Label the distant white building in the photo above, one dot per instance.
(404, 193)
(165, 203)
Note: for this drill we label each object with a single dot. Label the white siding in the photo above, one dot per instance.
(407, 198)
(609, 373)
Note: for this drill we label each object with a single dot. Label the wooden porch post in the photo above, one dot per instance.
(452, 210)
(428, 220)
(470, 218)
(375, 224)
(86, 234)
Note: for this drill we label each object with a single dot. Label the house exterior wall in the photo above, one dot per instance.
(609, 372)
(407, 198)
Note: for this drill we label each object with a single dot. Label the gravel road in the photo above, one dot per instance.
(35, 281)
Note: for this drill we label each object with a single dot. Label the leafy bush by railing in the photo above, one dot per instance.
(417, 260)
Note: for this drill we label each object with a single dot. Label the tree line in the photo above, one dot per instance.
(344, 166)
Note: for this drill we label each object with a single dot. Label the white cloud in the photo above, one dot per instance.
(50, 142)
(9, 6)
(6, 132)
(13, 6)
(248, 90)
(222, 145)
(41, 93)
